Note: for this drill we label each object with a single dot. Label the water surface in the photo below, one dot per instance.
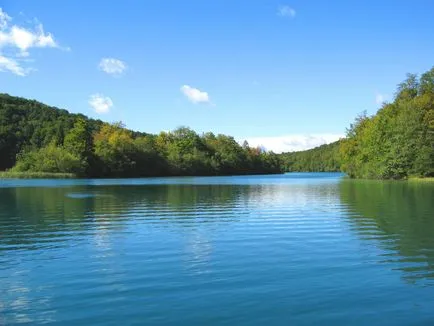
(294, 249)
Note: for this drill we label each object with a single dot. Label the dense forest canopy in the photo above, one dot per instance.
(398, 141)
(37, 138)
(395, 143)
(324, 158)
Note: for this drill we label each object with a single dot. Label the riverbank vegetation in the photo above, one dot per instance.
(418, 179)
(395, 143)
(398, 141)
(35, 175)
(324, 158)
(36, 138)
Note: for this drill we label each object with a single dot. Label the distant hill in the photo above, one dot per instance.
(30, 124)
(35, 137)
(324, 158)
(395, 143)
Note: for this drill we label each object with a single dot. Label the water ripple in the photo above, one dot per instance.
(278, 251)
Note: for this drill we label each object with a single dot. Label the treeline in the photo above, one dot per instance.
(324, 158)
(398, 141)
(38, 138)
(395, 143)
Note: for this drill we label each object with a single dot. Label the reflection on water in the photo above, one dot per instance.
(296, 249)
(399, 217)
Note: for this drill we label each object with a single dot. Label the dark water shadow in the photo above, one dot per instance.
(399, 217)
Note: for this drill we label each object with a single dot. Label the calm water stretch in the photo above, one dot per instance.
(295, 249)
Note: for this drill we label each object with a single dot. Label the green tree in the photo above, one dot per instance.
(61, 141)
(52, 158)
(398, 141)
(114, 146)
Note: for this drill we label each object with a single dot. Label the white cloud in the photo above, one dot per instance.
(195, 95)
(45, 40)
(11, 65)
(4, 19)
(24, 39)
(17, 41)
(381, 98)
(290, 143)
(286, 11)
(100, 103)
(112, 66)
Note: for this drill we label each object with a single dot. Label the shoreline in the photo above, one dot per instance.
(49, 175)
(4, 175)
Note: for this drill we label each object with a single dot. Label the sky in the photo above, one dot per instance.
(287, 75)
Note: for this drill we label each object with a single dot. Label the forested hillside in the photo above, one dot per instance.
(398, 141)
(37, 138)
(395, 143)
(324, 158)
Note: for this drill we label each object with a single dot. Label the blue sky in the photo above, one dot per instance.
(284, 74)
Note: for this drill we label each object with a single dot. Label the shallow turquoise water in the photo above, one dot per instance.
(294, 249)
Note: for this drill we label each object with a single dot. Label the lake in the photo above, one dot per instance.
(293, 249)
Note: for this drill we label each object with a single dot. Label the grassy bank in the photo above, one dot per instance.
(418, 179)
(35, 175)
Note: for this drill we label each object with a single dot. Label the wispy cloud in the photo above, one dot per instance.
(195, 95)
(17, 41)
(100, 104)
(286, 11)
(381, 98)
(4, 19)
(11, 65)
(290, 143)
(112, 66)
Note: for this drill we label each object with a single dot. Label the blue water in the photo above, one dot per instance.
(294, 249)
